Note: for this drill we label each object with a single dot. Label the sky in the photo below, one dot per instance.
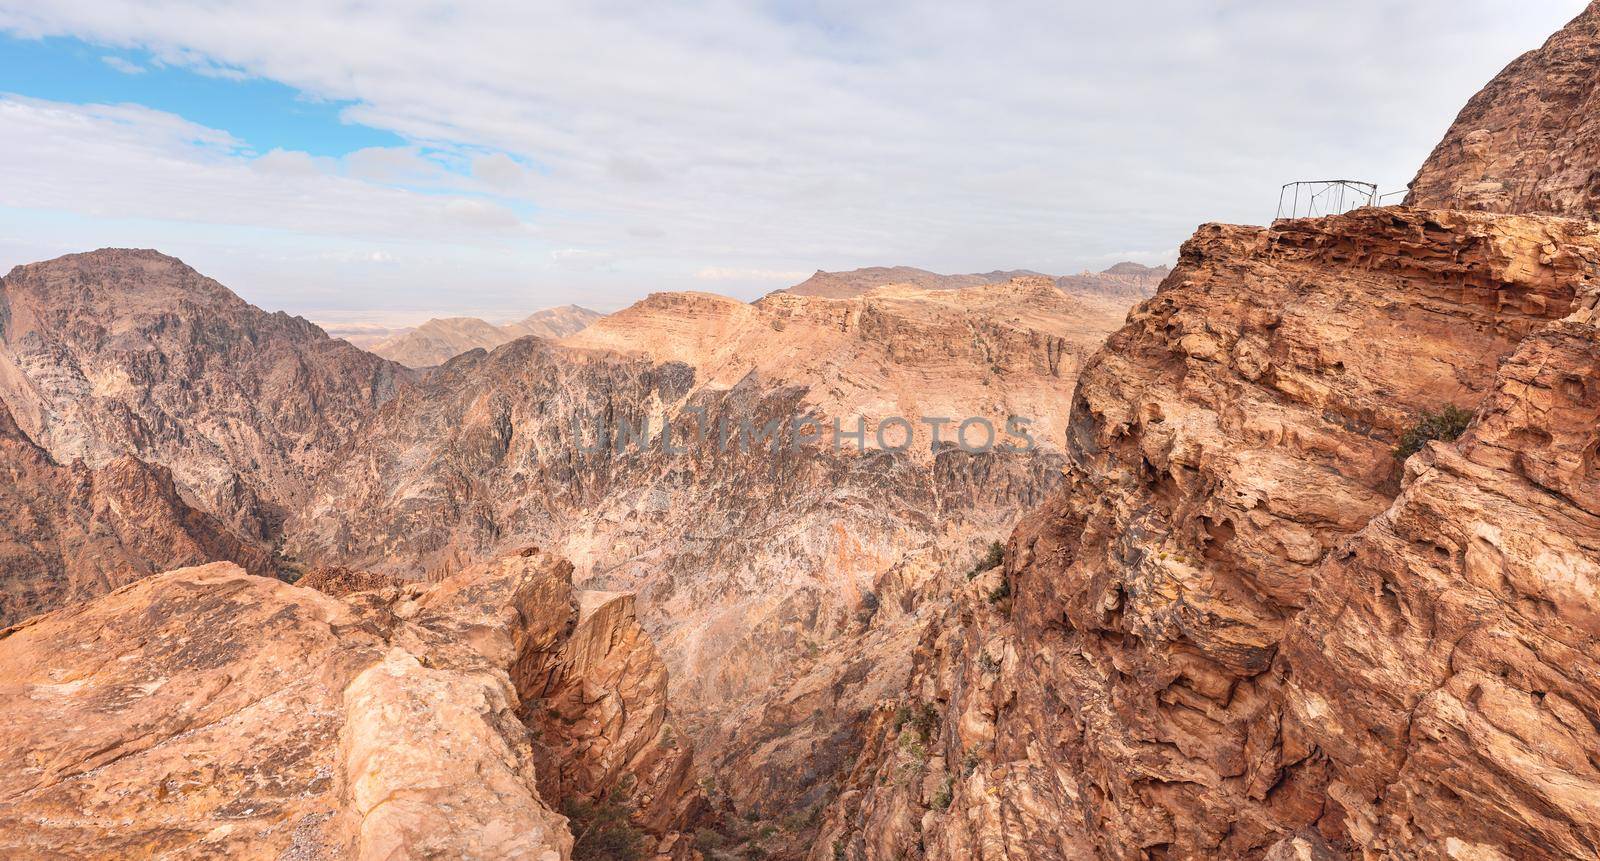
(389, 162)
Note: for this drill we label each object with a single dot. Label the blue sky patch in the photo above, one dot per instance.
(264, 114)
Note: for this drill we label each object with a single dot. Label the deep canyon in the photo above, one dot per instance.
(272, 595)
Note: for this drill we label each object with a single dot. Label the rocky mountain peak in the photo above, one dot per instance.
(118, 352)
(116, 281)
(1529, 142)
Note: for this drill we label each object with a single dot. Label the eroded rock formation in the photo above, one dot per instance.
(126, 352)
(1527, 143)
(754, 566)
(74, 532)
(1238, 620)
(209, 713)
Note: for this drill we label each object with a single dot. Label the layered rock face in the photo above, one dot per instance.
(1129, 281)
(754, 565)
(1527, 143)
(602, 719)
(1125, 280)
(785, 586)
(1447, 665)
(1239, 628)
(995, 351)
(438, 341)
(74, 532)
(125, 352)
(209, 713)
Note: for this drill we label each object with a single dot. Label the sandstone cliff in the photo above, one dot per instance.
(74, 532)
(1528, 142)
(1239, 621)
(998, 350)
(216, 714)
(785, 586)
(125, 352)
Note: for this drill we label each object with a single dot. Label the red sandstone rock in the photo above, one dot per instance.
(74, 532)
(206, 713)
(1228, 627)
(1527, 143)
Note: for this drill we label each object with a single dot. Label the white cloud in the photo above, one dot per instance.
(633, 170)
(769, 138)
(282, 162)
(394, 166)
(126, 67)
(723, 273)
(482, 214)
(502, 172)
(583, 259)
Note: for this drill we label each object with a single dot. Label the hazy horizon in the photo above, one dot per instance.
(395, 164)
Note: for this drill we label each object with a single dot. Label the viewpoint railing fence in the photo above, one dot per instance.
(1318, 197)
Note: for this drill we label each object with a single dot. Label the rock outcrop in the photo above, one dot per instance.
(784, 585)
(209, 713)
(438, 341)
(1238, 620)
(74, 532)
(1129, 281)
(125, 352)
(1528, 142)
(602, 721)
(1447, 665)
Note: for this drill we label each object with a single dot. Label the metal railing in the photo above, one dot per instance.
(1318, 197)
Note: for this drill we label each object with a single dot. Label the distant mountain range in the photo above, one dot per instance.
(443, 338)
(439, 340)
(1126, 279)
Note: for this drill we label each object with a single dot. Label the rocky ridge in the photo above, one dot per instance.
(273, 721)
(1240, 624)
(74, 532)
(1526, 143)
(754, 565)
(128, 352)
(1123, 279)
(423, 474)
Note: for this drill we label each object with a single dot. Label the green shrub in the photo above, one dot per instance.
(926, 719)
(797, 822)
(991, 559)
(603, 829)
(1446, 425)
(709, 841)
(1001, 592)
